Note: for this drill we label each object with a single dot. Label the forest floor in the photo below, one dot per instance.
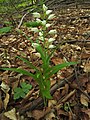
(70, 87)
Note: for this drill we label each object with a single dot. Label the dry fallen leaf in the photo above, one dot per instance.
(38, 114)
(57, 61)
(87, 67)
(88, 87)
(51, 103)
(1, 102)
(11, 114)
(50, 116)
(4, 87)
(87, 112)
(84, 100)
(62, 112)
(6, 100)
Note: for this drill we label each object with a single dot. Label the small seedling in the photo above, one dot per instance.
(20, 92)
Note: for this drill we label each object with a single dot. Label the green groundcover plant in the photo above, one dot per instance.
(44, 46)
(5, 30)
(20, 92)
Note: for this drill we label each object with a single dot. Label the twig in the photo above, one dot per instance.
(68, 96)
(22, 19)
(73, 41)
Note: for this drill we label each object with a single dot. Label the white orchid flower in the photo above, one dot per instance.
(40, 34)
(38, 20)
(35, 45)
(41, 38)
(52, 31)
(35, 29)
(44, 22)
(48, 25)
(50, 17)
(36, 15)
(45, 8)
(51, 39)
(48, 12)
(51, 46)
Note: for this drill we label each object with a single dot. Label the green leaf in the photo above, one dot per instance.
(17, 89)
(27, 62)
(33, 24)
(45, 89)
(5, 30)
(24, 85)
(17, 93)
(40, 50)
(7, 22)
(20, 92)
(24, 72)
(47, 94)
(25, 90)
(23, 95)
(58, 67)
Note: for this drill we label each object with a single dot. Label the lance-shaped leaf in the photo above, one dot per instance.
(40, 50)
(24, 72)
(58, 67)
(27, 62)
(5, 29)
(33, 24)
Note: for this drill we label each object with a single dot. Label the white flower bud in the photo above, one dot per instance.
(41, 38)
(52, 31)
(50, 17)
(44, 7)
(38, 20)
(35, 29)
(35, 45)
(44, 22)
(48, 12)
(36, 14)
(48, 25)
(37, 55)
(51, 46)
(40, 34)
(51, 39)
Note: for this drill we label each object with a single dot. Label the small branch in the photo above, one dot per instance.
(22, 19)
(68, 96)
(73, 41)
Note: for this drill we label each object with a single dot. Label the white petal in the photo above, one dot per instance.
(41, 38)
(48, 25)
(34, 29)
(38, 20)
(51, 46)
(37, 55)
(36, 14)
(50, 17)
(48, 12)
(52, 31)
(44, 7)
(44, 22)
(40, 34)
(35, 45)
(51, 39)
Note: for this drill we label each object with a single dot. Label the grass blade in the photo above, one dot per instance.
(24, 72)
(27, 62)
(58, 67)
